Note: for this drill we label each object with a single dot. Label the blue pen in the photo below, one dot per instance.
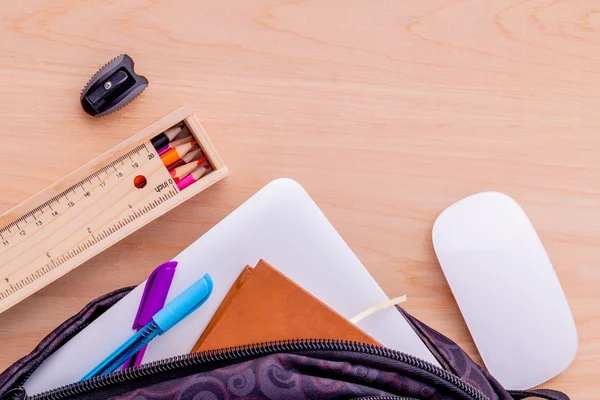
(182, 306)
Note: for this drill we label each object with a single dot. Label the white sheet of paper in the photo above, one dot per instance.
(280, 224)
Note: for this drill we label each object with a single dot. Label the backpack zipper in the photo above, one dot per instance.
(233, 353)
(385, 398)
(39, 362)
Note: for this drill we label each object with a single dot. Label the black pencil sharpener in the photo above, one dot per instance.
(113, 87)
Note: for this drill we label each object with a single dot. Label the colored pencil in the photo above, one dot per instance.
(176, 153)
(185, 169)
(192, 176)
(191, 155)
(164, 138)
(174, 143)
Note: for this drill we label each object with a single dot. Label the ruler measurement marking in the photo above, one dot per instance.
(58, 197)
(71, 195)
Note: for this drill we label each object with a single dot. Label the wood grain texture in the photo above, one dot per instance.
(385, 111)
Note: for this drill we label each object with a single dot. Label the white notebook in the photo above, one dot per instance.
(280, 224)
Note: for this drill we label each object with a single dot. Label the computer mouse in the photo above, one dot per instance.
(506, 289)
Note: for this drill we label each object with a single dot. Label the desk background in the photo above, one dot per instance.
(385, 111)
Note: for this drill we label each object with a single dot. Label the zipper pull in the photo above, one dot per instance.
(17, 393)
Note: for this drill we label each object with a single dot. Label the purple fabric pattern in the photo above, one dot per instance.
(458, 361)
(287, 377)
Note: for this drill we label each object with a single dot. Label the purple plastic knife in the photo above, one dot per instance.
(153, 300)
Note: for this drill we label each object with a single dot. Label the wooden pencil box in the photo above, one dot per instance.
(97, 205)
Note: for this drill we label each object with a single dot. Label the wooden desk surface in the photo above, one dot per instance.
(385, 111)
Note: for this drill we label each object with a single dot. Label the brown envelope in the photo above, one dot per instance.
(264, 305)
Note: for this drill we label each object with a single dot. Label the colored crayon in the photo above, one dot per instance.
(176, 153)
(185, 169)
(174, 143)
(164, 138)
(186, 159)
(192, 176)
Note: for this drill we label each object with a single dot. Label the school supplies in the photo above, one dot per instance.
(185, 169)
(281, 224)
(173, 313)
(269, 307)
(163, 139)
(114, 86)
(192, 176)
(174, 143)
(174, 154)
(193, 154)
(153, 300)
(93, 208)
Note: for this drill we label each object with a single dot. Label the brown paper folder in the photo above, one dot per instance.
(264, 305)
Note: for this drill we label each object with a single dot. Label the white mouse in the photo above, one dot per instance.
(506, 289)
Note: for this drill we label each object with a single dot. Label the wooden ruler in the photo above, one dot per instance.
(58, 229)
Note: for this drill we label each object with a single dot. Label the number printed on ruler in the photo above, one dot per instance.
(79, 218)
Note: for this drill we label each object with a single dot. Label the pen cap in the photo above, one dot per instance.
(184, 304)
(155, 293)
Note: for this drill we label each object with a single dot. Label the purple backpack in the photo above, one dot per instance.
(299, 369)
